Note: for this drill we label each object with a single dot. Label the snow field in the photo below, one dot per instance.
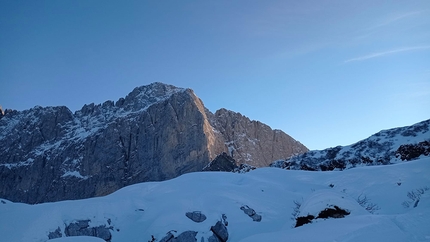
(150, 209)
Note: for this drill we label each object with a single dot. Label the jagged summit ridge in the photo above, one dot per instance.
(144, 96)
(137, 100)
(156, 132)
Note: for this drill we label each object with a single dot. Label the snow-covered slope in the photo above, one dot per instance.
(385, 147)
(385, 203)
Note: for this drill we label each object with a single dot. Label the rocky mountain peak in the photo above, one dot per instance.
(137, 100)
(156, 132)
(143, 96)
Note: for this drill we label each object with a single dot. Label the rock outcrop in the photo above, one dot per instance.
(409, 152)
(196, 216)
(222, 162)
(156, 132)
(187, 236)
(251, 213)
(220, 232)
(83, 228)
(332, 211)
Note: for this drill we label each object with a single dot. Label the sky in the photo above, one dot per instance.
(327, 73)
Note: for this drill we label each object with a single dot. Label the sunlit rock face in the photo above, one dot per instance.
(156, 132)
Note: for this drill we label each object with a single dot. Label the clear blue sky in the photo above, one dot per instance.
(326, 72)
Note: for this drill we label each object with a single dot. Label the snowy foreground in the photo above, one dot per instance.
(138, 212)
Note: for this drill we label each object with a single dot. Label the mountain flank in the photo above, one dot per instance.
(157, 132)
(386, 147)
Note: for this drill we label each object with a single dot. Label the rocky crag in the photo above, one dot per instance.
(156, 132)
(385, 147)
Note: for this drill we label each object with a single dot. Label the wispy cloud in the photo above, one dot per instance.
(384, 53)
(393, 19)
(390, 21)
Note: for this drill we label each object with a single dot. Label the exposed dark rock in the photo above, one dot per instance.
(187, 236)
(213, 238)
(82, 228)
(222, 162)
(78, 228)
(251, 213)
(224, 219)
(304, 220)
(307, 168)
(334, 212)
(55, 234)
(243, 168)
(409, 152)
(196, 216)
(220, 231)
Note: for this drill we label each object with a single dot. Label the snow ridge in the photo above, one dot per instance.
(381, 148)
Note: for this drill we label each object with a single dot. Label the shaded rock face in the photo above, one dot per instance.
(252, 142)
(156, 132)
(222, 162)
(385, 147)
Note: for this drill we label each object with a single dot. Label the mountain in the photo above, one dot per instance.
(157, 132)
(385, 147)
(252, 142)
(374, 203)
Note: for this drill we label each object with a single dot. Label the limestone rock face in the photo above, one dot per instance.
(252, 142)
(156, 132)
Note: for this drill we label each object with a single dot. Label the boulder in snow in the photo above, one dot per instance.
(196, 216)
(220, 232)
(251, 213)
